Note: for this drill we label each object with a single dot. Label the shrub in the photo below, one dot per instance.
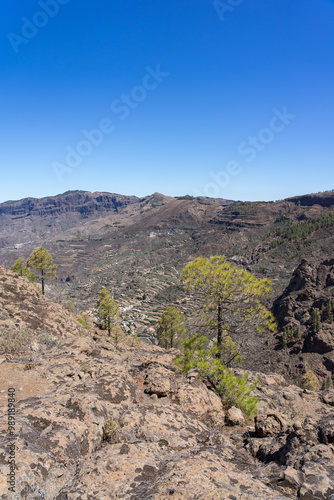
(15, 341)
(328, 383)
(310, 381)
(110, 429)
(233, 390)
(82, 322)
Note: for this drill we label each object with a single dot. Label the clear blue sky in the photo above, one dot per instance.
(236, 102)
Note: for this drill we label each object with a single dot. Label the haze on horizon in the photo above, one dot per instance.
(208, 98)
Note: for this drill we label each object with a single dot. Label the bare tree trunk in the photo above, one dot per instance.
(42, 278)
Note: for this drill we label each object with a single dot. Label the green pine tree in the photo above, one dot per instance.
(42, 262)
(23, 270)
(171, 330)
(109, 313)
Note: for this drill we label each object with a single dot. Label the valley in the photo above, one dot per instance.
(137, 249)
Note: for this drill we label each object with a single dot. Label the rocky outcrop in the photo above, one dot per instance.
(99, 421)
(22, 306)
(311, 288)
(301, 456)
(120, 422)
(82, 202)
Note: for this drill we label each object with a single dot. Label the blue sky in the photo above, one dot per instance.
(233, 99)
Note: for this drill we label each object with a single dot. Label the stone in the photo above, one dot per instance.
(234, 416)
(328, 397)
(270, 424)
(96, 421)
(293, 478)
(326, 429)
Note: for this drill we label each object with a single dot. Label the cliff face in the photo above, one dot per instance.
(311, 287)
(76, 201)
(99, 421)
(29, 219)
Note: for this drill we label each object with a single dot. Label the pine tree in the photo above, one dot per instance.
(109, 313)
(171, 330)
(284, 339)
(42, 262)
(228, 292)
(328, 383)
(23, 270)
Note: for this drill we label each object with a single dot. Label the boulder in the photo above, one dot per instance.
(328, 397)
(270, 424)
(234, 416)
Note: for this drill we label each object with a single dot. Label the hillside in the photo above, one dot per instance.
(98, 421)
(139, 252)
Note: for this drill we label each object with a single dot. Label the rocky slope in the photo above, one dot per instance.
(23, 307)
(98, 421)
(311, 288)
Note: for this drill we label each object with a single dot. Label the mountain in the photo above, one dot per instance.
(137, 248)
(97, 420)
(29, 218)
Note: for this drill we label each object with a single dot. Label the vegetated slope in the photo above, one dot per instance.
(99, 421)
(139, 256)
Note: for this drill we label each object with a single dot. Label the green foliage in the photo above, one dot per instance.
(42, 262)
(328, 383)
(133, 340)
(281, 218)
(171, 330)
(310, 382)
(316, 320)
(290, 335)
(70, 306)
(228, 292)
(234, 391)
(109, 314)
(284, 339)
(302, 229)
(23, 270)
(82, 322)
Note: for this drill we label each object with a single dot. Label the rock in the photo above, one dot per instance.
(24, 307)
(326, 429)
(328, 397)
(293, 478)
(96, 421)
(270, 424)
(192, 375)
(311, 287)
(234, 416)
(158, 380)
(297, 425)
